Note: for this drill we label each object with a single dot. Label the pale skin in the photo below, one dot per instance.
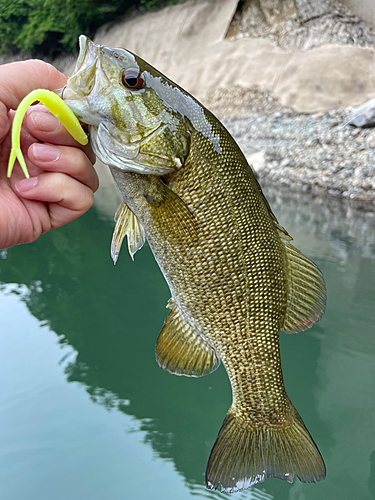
(62, 178)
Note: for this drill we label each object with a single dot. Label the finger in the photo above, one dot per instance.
(67, 198)
(5, 121)
(64, 159)
(46, 127)
(19, 78)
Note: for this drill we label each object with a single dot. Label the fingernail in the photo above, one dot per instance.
(26, 184)
(45, 122)
(45, 152)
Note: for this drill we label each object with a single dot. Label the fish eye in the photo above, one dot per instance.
(132, 80)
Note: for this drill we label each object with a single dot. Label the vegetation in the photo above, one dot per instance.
(50, 27)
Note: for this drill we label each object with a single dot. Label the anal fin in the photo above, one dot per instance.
(126, 224)
(181, 351)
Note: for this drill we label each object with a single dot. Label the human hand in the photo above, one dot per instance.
(62, 178)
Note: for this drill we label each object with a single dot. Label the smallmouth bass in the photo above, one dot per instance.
(234, 277)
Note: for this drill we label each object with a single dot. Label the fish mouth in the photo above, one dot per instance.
(67, 92)
(79, 90)
(82, 80)
(88, 52)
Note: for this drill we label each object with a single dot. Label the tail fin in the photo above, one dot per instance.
(243, 455)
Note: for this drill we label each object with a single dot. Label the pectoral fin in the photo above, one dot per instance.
(181, 351)
(172, 211)
(126, 224)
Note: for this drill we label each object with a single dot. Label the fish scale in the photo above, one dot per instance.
(253, 267)
(234, 277)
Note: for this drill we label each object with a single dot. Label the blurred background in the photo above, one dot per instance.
(85, 410)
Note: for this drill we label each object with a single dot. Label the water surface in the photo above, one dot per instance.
(85, 411)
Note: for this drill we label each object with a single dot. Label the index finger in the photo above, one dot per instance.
(46, 128)
(18, 79)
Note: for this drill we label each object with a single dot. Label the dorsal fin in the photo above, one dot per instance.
(306, 289)
(126, 224)
(181, 351)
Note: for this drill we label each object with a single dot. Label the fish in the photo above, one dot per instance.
(234, 276)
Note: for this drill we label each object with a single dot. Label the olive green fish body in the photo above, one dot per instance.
(226, 267)
(234, 278)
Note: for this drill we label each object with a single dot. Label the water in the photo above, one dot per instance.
(85, 411)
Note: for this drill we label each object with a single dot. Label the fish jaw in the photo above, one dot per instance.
(127, 130)
(80, 92)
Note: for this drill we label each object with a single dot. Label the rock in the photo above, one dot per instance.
(358, 172)
(257, 161)
(363, 116)
(285, 163)
(366, 185)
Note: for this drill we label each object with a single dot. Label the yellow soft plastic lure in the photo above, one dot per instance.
(58, 108)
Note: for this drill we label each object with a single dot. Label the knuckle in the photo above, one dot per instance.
(86, 201)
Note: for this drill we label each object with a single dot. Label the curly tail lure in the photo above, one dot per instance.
(58, 108)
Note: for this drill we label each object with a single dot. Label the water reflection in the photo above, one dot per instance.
(347, 227)
(341, 239)
(111, 317)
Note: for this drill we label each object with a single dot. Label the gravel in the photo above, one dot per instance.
(318, 153)
(300, 24)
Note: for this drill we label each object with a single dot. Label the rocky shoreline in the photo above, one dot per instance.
(318, 153)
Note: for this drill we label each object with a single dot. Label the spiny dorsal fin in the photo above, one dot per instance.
(306, 289)
(181, 351)
(126, 224)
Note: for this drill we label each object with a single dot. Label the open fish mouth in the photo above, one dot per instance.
(88, 53)
(82, 81)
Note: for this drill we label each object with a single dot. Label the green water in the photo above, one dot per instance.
(86, 413)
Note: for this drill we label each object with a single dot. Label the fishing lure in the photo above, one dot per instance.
(58, 108)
